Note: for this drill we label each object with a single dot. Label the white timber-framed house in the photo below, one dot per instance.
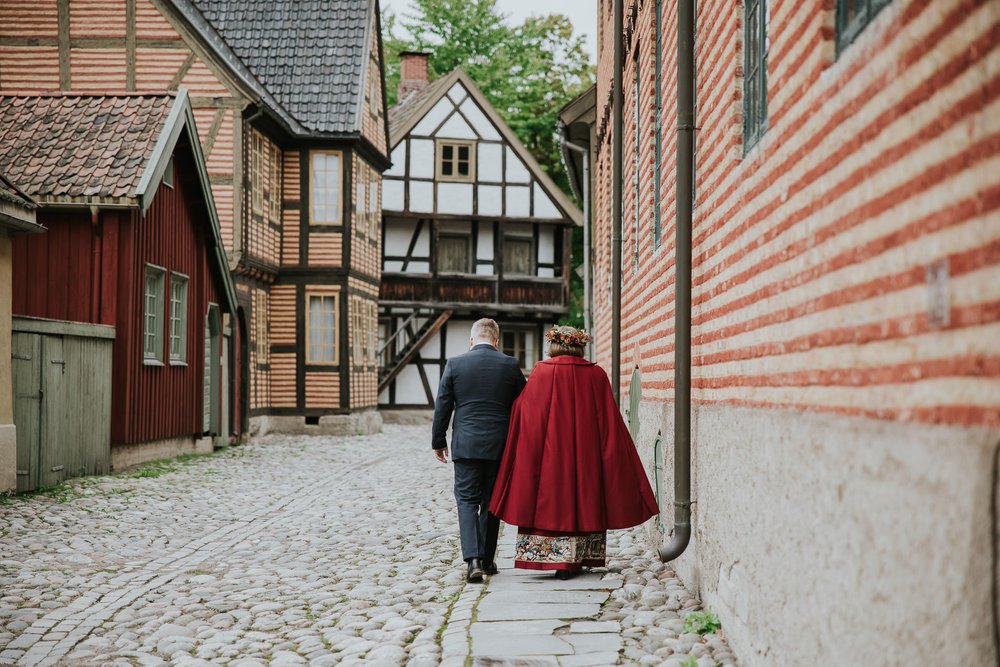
(472, 227)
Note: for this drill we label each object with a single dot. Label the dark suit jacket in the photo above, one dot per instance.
(479, 387)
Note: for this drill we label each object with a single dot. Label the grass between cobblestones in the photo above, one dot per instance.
(75, 487)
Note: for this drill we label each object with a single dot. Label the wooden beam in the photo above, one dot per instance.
(408, 357)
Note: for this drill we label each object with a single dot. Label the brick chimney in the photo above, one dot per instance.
(412, 73)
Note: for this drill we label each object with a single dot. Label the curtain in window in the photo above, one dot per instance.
(322, 328)
(517, 256)
(325, 187)
(453, 254)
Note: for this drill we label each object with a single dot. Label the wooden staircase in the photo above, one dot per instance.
(405, 343)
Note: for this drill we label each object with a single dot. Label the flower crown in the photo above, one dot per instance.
(568, 337)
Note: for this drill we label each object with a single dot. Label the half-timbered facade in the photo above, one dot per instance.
(472, 227)
(289, 104)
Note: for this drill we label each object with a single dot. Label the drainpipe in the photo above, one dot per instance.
(585, 155)
(616, 205)
(682, 285)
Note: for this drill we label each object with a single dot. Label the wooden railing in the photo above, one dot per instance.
(473, 290)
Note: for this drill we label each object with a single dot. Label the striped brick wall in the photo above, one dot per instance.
(847, 263)
(87, 47)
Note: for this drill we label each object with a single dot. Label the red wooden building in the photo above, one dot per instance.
(134, 243)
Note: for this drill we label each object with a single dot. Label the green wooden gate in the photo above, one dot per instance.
(62, 400)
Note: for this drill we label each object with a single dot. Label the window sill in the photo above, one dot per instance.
(152, 362)
(178, 362)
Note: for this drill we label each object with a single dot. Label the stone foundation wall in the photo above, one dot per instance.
(126, 456)
(821, 540)
(366, 422)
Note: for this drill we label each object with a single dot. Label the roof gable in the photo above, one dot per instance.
(103, 150)
(454, 107)
(306, 59)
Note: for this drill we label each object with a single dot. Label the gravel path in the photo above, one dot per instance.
(287, 551)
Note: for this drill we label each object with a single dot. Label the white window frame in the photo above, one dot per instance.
(153, 304)
(179, 319)
(332, 188)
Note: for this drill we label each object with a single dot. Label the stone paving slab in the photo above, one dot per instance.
(533, 595)
(502, 611)
(517, 628)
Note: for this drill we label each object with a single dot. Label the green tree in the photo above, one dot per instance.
(527, 72)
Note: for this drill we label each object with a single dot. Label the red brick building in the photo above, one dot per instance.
(845, 313)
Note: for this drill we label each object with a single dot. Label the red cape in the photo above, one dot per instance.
(570, 464)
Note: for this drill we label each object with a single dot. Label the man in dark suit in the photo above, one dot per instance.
(479, 387)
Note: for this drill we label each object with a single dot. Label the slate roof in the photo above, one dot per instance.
(403, 112)
(66, 146)
(310, 55)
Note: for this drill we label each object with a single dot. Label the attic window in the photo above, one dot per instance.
(168, 173)
(456, 161)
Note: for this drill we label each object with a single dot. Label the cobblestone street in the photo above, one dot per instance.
(306, 551)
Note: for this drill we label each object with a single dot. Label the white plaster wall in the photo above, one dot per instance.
(433, 118)
(518, 201)
(398, 167)
(421, 158)
(422, 196)
(489, 162)
(456, 128)
(826, 540)
(544, 206)
(457, 92)
(455, 198)
(397, 237)
(392, 195)
(409, 388)
(490, 200)
(484, 247)
(458, 337)
(546, 244)
(479, 120)
(516, 171)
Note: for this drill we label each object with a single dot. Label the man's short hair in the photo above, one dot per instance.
(485, 329)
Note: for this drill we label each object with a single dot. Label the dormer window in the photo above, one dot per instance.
(456, 160)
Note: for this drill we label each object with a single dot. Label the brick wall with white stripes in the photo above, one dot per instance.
(847, 263)
(845, 319)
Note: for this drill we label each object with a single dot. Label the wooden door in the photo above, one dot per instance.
(26, 362)
(59, 415)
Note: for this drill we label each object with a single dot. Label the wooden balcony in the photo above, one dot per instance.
(458, 291)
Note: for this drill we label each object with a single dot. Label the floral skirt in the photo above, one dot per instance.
(547, 550)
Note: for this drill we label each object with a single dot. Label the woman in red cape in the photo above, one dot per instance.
(570, 471)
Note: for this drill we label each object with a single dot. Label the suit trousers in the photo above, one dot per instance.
(479, 530)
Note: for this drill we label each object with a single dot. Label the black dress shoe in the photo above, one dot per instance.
(491, 569)
(563, 575)
(476, 573)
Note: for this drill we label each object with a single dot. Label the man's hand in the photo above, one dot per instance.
(441, 454)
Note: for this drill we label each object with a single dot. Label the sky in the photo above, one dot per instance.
(583, 14)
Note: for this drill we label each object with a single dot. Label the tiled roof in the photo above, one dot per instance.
(9, 192)
(402, 113)
(79, 146)
(309, 54)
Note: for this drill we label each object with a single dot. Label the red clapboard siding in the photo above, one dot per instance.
(166, 401)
